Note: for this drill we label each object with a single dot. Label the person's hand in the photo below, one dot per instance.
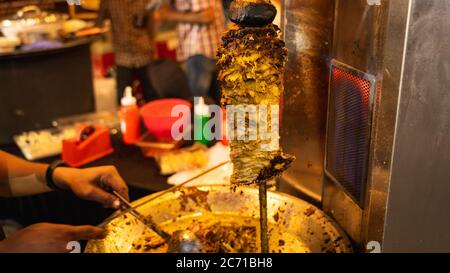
(93, 184)
(48, 238)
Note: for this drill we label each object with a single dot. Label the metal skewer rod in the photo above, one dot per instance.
(263, 217)
(112, 217)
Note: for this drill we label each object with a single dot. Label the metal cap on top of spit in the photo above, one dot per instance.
(255, 13)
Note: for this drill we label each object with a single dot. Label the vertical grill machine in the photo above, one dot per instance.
(366, 113)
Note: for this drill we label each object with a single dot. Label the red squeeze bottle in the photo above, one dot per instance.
(129, 118)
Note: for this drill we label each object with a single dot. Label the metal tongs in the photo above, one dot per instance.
(148, 222)
(181, 241)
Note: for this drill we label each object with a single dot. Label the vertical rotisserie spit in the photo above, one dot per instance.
(252, 60)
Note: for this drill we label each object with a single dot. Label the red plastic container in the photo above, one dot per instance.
(158, 120)
(78, 152)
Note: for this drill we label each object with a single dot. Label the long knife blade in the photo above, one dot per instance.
(146, 221)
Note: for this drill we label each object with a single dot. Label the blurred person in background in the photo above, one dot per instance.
(133, 41)
(22, 178)
(200, 26)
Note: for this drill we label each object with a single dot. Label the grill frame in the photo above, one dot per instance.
(371, 79)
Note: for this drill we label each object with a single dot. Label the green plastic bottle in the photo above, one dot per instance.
(201, 117)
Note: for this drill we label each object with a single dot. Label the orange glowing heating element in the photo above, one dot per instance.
(353, 82)
(348, 133)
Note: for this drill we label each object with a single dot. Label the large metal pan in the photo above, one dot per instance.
(287, 214)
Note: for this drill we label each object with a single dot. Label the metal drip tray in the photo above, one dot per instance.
(294, 225)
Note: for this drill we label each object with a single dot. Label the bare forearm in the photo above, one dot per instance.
(19, 177)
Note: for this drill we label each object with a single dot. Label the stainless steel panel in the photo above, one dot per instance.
(357, 40)
(343, 209)
(383, 127)
(307, 27)
(417, 216)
